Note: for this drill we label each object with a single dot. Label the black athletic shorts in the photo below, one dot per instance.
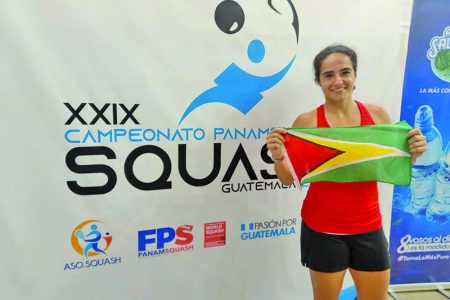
(324, 252)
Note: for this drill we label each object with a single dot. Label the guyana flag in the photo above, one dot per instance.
(350, 154)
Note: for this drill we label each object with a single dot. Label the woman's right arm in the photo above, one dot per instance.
(275, 140)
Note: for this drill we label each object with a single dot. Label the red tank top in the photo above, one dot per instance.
(342, 207)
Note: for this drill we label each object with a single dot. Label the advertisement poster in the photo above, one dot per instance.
(420, 228)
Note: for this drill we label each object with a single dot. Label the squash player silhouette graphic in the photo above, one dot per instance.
(234, 86)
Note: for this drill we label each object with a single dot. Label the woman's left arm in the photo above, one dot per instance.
(417, 141)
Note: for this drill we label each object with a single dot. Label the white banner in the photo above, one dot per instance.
(133, 131)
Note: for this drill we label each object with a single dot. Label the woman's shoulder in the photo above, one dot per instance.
(378, 113)
(306, 120)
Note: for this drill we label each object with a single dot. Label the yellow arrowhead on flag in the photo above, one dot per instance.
(350, 152)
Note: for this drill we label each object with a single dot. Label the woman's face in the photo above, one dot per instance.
(337, 77)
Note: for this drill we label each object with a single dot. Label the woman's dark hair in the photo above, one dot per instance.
(330, 50)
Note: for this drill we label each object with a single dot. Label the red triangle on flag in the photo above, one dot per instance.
(305, 156)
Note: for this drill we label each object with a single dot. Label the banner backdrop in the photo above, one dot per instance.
(420, 228)
(133, 159)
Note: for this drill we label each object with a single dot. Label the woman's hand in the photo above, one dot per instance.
(275, 142)
(417, 143)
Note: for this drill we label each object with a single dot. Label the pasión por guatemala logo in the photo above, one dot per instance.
(439, 55)
(90, 239)
(234, 86)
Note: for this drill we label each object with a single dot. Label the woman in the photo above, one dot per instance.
(341, 226)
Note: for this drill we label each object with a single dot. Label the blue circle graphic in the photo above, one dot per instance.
(256, 51)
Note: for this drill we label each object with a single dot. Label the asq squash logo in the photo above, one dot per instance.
(91, 240)
(88, 240)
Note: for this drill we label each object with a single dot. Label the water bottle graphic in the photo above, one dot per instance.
(402, 198)
(425, 170)
(439, 208)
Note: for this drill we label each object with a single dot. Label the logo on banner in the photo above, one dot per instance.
(268, 229)
(92, 240)
(439, 55)
(92, 129)
(234, 86)
(93, 140)
(214, 234)
(165, 240)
